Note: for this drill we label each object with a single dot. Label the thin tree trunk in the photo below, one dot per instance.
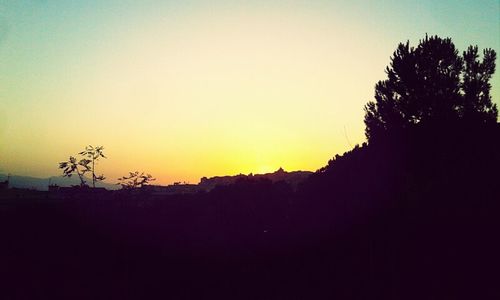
(93, 172)
(82, 182)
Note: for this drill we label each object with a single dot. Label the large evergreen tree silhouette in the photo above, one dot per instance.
(432, 83)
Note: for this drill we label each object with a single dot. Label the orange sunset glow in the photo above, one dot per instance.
(185, 91)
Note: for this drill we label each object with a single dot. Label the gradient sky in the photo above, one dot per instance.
(185, 89)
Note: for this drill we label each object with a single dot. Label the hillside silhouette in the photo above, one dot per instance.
(411, 214)
(42, 184)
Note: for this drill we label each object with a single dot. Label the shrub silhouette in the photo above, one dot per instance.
(432, 83)
(135, 180)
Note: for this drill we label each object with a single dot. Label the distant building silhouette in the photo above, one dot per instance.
(176, 188)
(4, 185)
(292, 178)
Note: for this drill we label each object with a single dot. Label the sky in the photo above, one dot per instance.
(186, 89)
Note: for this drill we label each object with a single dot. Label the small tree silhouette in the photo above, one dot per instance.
(73, 166)
(432, 83)
(94, 154)
(135, 180)
(90, 156)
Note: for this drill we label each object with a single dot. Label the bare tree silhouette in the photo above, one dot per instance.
(94, 154)
(86, 164)
(72, 166)
(135, 180)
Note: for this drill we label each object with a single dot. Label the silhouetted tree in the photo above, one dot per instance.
(87, 164)
(135, 180)
(80, 167)
(432, 83)
(94, 154)
(477, 105)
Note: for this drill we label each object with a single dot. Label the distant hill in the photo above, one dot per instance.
(206, 184)
(292, 178)
(41, 184)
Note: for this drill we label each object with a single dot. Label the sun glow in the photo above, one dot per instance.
(265, 169)
(194, 89)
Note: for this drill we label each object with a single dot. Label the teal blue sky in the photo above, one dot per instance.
(76, 72)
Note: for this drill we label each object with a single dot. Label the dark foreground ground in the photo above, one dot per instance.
(184, 249)
(405, 220)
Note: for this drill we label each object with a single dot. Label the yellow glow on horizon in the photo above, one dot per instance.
(203, 94)
(230, 95)
(264, 169)
(223, 94)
